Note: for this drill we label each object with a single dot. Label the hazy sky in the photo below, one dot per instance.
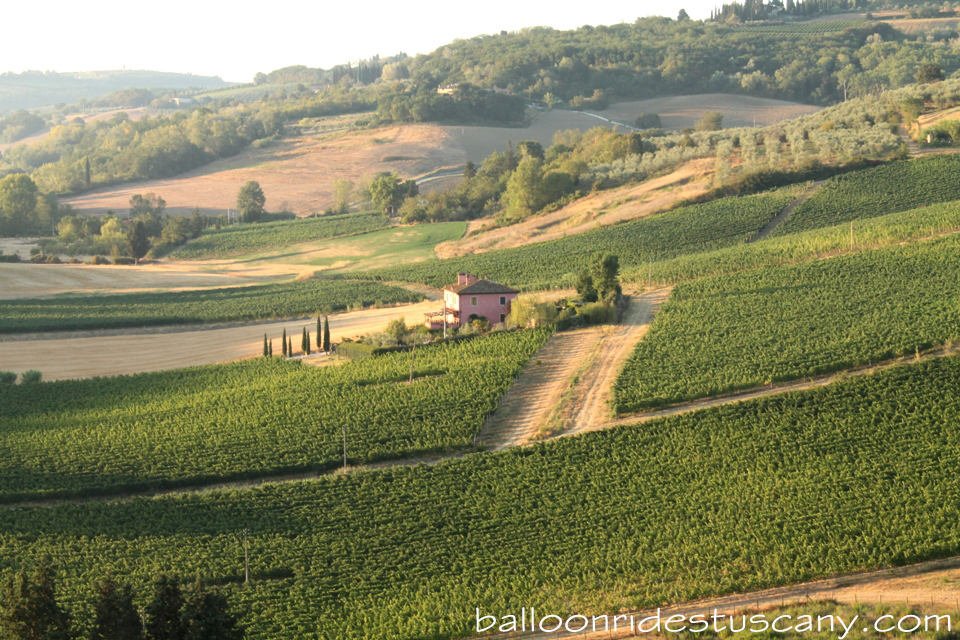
(233, 41)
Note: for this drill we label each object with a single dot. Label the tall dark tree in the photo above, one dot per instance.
(585, 288)
(207, 616)
(283, 342)
(326, 334)
(469, 170)
(251, 201)
(606, 272)
(270, 349)
(929, 72)
(266, 349)
(115, 616)
(290, 346)
(304, 342)
(319, 334)
(163, 612)
(30, 610)
(138, 240)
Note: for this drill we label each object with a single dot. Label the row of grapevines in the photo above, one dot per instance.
(805, 28)
(745, 330)
(871, 233)
(279, 300)
(686, 230)
(245, 239)
(251, 418)
(874, 192)
(856, 475)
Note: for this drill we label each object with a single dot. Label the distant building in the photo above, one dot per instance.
(472, 298)
(182, 102)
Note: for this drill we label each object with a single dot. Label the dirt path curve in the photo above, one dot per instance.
(787, 211)
(527, 404)
(932, 584)
(590, 401)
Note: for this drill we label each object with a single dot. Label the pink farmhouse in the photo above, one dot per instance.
(472, 297)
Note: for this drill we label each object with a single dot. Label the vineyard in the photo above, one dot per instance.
(869, 233)
(746, 330)
(852, 476)
(260, 302)
(264, 416)
(556, 263)
(246, 239)
(874, 192)
(805, 28)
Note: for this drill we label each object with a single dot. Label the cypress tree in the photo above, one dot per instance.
(163, 612)
(319, 334)
(265, 348)
(304, 344)
(206, 616)
(115, 616)
(283, 342)
(30, 608)
(326, 333)
(308, 342)
(290, 347)
(270, 349)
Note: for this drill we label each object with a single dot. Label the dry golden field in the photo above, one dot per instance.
(296, 173)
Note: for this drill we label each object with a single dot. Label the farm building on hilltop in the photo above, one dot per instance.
(472, 298)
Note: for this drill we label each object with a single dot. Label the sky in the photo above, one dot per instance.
(234, 41)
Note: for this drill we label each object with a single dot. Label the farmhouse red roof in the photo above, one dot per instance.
(479, 287)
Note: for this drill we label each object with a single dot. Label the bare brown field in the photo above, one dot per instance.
(677, 112)
(133, 114)
(598, 209)
(136, 352)
(680, 112)
(296, 173)
(920, 25)
(35, 280)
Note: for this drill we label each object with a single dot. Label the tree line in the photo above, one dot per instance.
(29, 610)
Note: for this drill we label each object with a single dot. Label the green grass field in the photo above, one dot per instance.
(853, 476)
(252, 239)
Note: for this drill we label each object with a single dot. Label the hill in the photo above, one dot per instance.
(32, 89)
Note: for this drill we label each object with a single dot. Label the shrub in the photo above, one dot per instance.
(7, 377)
(123, 260)
(98, 259)
(30, 377)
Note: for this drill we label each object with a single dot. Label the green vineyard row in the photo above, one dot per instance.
(260, 302)
(253, 418)
(745, 330)
(852, 476)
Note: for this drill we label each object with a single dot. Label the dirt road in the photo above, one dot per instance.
(528, 403)
(135, 352)
(590, 403)
(932, 586)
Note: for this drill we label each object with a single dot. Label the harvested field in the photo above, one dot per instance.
(35, 280)
(139, 351)
(296, 173)
(680, 112)
(676, 113)
(599, 209)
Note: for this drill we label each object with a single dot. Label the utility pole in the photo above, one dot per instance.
(246, 557)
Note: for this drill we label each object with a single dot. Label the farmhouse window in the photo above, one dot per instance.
(473, 301)
(503, 301)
